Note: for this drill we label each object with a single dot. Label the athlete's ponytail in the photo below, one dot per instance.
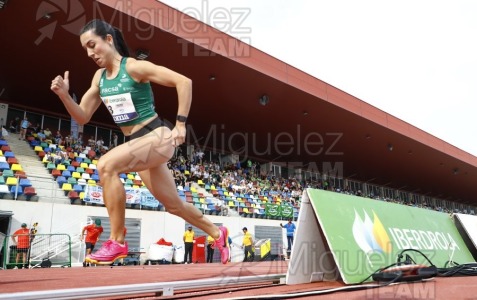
(102, 29)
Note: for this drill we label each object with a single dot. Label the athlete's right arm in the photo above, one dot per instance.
(90, 101)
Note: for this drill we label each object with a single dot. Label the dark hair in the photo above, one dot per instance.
(102, 29)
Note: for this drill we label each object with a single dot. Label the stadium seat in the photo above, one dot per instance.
(24, 182)
(16, 167)
(60, 180)
(3, 143)
(4, 190)
(76, 175)
(11, 181)
(66, 173)
(7, 173)
(73, 195)
(3, 159)
(78, 188)
(4, 166)
(29, 192)
(66, 187)
(16, 191)
(5, 148)
(12, 160)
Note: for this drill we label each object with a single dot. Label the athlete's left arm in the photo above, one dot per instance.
(145, 71)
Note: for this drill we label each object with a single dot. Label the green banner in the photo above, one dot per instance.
(365, 235)
(286, 211)
(272, 210)
(276, 210)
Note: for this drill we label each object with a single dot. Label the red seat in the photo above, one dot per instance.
(29, 191)
(41, 154)
(12, 160)
(55, 173)
(20, 174)
(73, 195)
(5, 148)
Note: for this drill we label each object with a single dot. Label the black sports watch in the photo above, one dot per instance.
(182, 119)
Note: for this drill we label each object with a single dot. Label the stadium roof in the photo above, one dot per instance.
(306, 121)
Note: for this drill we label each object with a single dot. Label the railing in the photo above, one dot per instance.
(44, 251)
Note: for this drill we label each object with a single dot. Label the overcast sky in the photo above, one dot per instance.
(416, 60)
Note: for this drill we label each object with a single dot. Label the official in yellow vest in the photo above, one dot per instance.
(188, 244)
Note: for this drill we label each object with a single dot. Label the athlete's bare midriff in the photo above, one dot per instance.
(128, 130)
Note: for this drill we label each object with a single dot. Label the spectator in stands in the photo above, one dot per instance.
(247, 245)
(21, 238)
(290, 227)
(93, 233)
(115, 140)
(23, 128)
(58, 138)
(48, 134)
(151, 143)
(92, 142)
(15, 125)
(188, 239)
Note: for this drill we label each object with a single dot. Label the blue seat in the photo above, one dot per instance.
(34, 143)
(71, 168)
(3, 143)
(66, 174)
(4, 166)
(8, 154)
(47, 149)
(60, 180)
(16, 190)
(77, 188)
(24, 182)
(79, 159)
(95, 177)
(123, 176)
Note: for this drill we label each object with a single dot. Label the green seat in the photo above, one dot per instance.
(7, 173)
(2, 180)
(51, 166)
(72, 180)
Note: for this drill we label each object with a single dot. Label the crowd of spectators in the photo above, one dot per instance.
(245, 177)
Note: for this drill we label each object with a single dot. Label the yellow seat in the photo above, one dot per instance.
(94, 161)
(81, 195)
(12, 181)
(213, 188)
(231, 203)
(76, 175)
(66, 187)
(84, 165)
(130, 176)
(200, 182)
(186, 172)
(16, 167)
(38, 148)
(61, 167)
(91, 182)
(193, 189)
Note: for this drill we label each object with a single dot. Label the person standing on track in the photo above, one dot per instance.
(125, 83)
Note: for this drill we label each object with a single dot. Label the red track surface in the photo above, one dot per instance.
(13, 281)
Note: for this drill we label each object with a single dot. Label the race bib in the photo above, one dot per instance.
(121, 107)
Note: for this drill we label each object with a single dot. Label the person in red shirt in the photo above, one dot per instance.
(93, 233)
(23, 243)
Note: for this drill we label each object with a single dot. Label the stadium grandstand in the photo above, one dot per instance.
(260, 131)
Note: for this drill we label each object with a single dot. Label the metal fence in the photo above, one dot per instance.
(45, 251)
